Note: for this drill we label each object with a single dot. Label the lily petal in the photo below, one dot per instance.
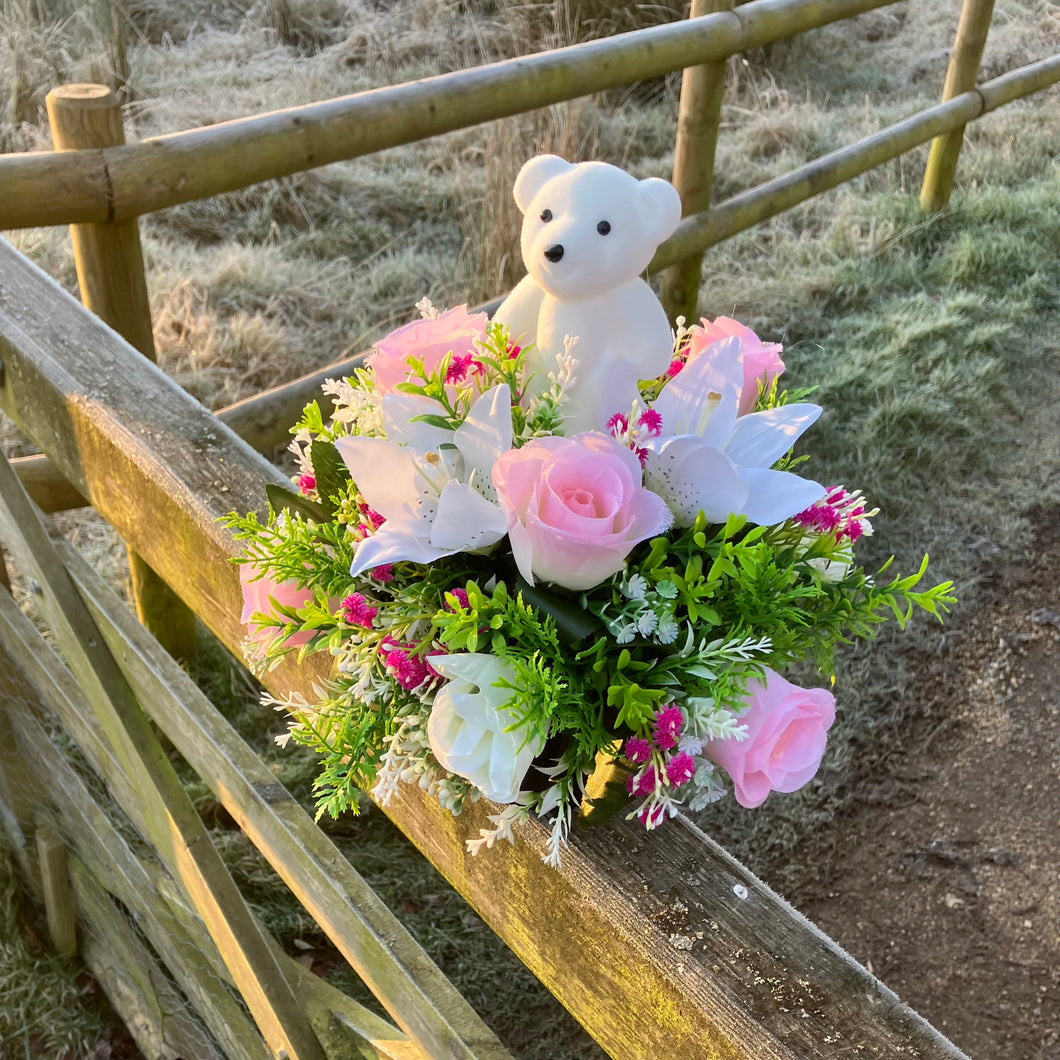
(704, 399)
(485, 434)
(761, 438)
(386, 475)
(774, 496)
(691, 477)
(393, 543)
(465, 520)
(402, 427)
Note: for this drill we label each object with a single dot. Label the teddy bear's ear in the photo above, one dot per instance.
(533, 176)
(660, 207)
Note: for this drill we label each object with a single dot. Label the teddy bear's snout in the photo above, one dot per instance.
(554, 253)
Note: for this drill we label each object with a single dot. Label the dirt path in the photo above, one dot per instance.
(945, 880)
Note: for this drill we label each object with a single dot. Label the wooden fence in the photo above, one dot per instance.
(659, 950)
(118, 183)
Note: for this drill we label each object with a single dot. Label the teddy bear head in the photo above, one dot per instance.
(589, 227)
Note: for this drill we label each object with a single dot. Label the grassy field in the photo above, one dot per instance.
(934, 342)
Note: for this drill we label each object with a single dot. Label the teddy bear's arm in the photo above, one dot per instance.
(646, 337)
(520, 311)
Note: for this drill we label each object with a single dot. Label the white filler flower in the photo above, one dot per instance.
(471, 732)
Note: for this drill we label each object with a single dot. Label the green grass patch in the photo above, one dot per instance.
(935, 350)
(48, 1007)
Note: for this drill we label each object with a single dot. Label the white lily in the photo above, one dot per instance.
(433, 486)
(710, 459)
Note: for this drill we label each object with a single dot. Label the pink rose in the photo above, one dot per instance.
(258, 597)
(575, 508)
(455, 331)
(785, 741)
(761, 360)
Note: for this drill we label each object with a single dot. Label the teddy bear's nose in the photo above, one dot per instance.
(554, 253)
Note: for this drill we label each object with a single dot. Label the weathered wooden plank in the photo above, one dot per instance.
(71, 368)
(167, 170)
(17, 781)
(47, 488)
(106, 854)
(396, 969)
(172, 823)
(158, 1018)
(599, 931)
(161, 908)
(346, 1029)
(55, 889)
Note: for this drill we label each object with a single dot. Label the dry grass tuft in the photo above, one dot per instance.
(45, 1010)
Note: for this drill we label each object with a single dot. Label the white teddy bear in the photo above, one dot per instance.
(589, 231)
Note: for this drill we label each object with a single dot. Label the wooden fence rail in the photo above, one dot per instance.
(123, 182)
(774, 197)
(263, 420)
(671, 950)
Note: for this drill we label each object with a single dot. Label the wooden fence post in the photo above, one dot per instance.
(55, 886)
(110, 273)
(698, 117)
(961, 75)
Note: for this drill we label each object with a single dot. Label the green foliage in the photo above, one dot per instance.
(331, 474)
(554, 694)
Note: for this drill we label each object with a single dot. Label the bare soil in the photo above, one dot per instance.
(944, 878)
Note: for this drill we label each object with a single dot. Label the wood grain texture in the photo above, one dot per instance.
(170, 822)
(48, 490)
(159, 904)
(607, 933)
(391, 963)
(159, 1019)
(38, 682)
(156, 450)
(167, 170)
(55, 889)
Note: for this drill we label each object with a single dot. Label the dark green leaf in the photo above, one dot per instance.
(573, 624)
(433, 420)
(330, 471)
(286, 501)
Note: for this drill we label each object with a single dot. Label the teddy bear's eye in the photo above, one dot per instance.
(546, 215)
(604, 227)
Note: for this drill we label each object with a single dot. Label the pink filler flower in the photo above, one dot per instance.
(786, 727)
(575, 508)
(761, 360)
(455, 331)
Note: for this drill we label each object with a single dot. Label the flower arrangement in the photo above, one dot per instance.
(512, 608)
